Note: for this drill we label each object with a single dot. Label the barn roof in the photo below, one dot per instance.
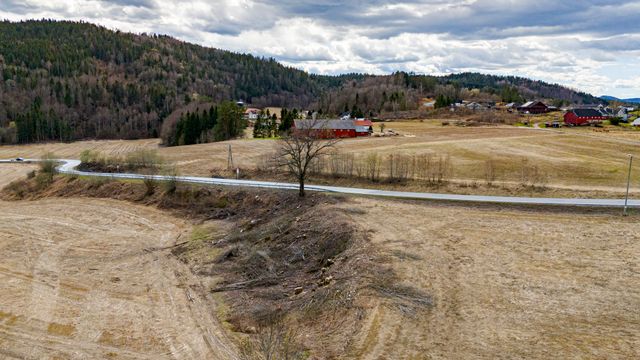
(532, 103)
(587, 113)
(363, 123)
(325, 124)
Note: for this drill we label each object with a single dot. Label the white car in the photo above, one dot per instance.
(19, 159)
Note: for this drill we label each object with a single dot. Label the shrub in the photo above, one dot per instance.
(171, 184)
(143, 158)
(151, 185)
(89, 156)
(48, 164)
(490, 171)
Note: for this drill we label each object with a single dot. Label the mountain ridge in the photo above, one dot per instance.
(627, 100)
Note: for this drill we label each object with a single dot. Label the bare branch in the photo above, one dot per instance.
(307, 141)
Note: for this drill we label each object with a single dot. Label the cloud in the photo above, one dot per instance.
(576, 43)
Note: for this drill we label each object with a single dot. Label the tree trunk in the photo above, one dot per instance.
(301, 180)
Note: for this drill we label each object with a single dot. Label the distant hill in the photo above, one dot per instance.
(74, 80)
(613, 98)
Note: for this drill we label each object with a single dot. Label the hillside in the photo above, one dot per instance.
(73, 80)
(66, 80)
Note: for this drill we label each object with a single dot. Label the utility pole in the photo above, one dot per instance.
(230, 159)
(626, 199)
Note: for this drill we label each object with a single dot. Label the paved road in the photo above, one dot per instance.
(68, 167)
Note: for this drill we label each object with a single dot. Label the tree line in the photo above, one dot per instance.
(215, 123)
(267, 126)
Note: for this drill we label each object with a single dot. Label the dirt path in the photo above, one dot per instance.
(83, 278)
(506, 283)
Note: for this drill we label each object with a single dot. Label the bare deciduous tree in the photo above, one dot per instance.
(308, 140)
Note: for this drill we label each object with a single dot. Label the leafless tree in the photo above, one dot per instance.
(308, 140)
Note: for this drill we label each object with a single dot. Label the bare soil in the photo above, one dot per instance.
(87, 278)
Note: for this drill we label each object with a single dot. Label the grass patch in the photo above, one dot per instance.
(61, 329)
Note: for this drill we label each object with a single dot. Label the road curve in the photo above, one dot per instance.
(68, 166)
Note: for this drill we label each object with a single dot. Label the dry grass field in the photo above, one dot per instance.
(579, 158)
(506, 283)
(93, 278)
(83, 278)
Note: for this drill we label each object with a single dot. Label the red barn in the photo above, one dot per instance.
(363, 127)
(534, 107)
(327, 128)
(583, 116)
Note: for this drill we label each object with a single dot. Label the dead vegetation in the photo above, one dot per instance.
(146, 161)
(372, 167)
(294, 272)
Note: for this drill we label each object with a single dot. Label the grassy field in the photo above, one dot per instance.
(506, 283)
(579, 158)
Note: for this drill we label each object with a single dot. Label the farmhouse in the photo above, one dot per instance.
(534, 107)
(251, 113)
(583, 116)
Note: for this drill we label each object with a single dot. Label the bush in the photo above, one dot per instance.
(48, 164)
(171, 184)
(151, 185)
(89, 156)
(143, 158)
(614, 121)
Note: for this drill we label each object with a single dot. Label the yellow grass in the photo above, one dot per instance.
(568, 157)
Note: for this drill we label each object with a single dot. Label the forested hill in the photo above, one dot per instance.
(84, 80)
(70, 80)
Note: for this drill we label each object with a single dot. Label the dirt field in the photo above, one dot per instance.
(11, 172)
(506, 283)
(84, 278)
(578, 157)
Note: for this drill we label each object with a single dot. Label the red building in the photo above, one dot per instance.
(583, 116)
(327, 128)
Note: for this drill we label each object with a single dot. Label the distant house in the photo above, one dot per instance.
(251, 113)
(636, 122)
(534, 107)
(475, 106)
(511, 107)
(583, 116)
(607, 111)
(623, 114)
(428, 103)
(364, 127)
(345, 115)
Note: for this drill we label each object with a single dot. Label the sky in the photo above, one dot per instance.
(589, 45)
